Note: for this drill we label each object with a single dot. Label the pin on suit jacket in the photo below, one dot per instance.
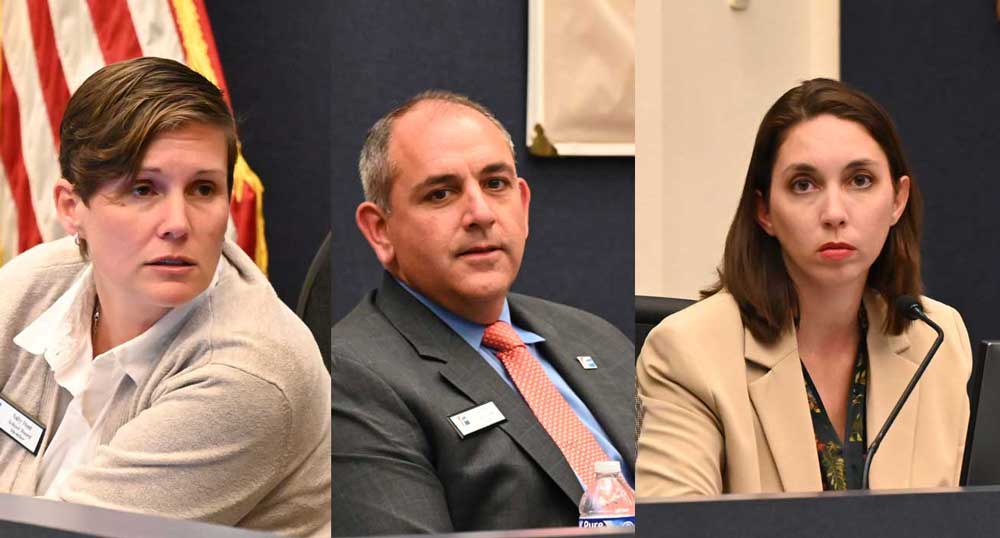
(399, 373)
(727, 414)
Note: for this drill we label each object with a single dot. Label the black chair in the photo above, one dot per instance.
(981, 464)
(314, 299)
(650, 311)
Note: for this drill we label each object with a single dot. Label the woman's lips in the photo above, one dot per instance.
(836, 251)
(172, 264)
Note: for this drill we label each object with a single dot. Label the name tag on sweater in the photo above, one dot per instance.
(477, 418)
(20, 427)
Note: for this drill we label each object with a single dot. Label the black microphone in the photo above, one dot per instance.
(909, 307)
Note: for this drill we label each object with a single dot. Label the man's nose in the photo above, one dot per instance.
(479, 208)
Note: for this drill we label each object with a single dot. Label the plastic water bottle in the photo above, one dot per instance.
(609, 502)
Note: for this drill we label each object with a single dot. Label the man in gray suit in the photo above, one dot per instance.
(457, 405)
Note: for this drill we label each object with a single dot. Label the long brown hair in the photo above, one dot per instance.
(753, 270)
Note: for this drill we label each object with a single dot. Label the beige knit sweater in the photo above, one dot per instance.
(231, 427)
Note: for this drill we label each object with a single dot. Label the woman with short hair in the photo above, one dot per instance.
(781, 376)
(148, 360)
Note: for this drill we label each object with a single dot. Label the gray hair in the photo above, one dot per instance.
(374, 166)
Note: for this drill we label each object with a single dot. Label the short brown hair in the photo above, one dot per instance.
(374, 165)
(115, 114)
(753, 270)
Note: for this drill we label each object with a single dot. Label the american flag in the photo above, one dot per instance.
(47, 49)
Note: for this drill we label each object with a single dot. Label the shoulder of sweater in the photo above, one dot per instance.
(242, 324)
(47, 261)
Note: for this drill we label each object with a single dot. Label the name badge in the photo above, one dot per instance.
(587, 362)
(20, 427)
(477, 418)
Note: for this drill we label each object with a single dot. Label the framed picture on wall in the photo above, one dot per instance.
(581, 77)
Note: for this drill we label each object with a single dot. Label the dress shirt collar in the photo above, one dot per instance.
(470, 331)
(61, 334)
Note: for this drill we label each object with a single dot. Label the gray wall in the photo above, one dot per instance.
(277, 65)
(936, 67)
(580, 248)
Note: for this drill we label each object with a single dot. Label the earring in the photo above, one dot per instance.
(76, 239)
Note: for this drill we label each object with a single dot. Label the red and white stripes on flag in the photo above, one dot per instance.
(47, 49)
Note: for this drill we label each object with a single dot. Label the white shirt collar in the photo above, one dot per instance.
(61, 334)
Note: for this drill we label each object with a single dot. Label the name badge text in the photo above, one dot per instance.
(475, 419)
(20, 427)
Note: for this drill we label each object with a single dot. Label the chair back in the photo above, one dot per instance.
(650, 311)
(314, 299)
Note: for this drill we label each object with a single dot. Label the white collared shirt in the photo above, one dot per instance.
(62, 335)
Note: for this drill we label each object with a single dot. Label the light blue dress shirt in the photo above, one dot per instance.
(472, 333)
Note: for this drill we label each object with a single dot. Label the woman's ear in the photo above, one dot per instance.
(69, 207)
(764, 214)
(901, 197)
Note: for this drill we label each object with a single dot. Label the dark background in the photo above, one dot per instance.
(276, 61)
(580, 249)
(935, 66)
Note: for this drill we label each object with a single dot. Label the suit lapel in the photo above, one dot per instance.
(599, 388)
(779, 399)
(480, 383)
(471, 375)
(890, 369)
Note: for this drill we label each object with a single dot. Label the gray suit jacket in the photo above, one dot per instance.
(399, 372)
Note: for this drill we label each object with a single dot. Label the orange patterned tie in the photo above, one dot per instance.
(577, 444)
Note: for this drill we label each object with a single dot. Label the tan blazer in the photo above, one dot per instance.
(727, 414)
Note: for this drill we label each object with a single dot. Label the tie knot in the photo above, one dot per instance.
(500, 336)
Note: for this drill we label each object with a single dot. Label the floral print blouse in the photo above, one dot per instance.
(842, 463)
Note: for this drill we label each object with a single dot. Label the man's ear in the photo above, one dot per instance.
(69, 207)
(371, 220)
(525, 193)
(764, 214)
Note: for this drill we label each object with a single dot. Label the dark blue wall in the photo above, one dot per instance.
(581, 243)
(277, 65)
(936, 67)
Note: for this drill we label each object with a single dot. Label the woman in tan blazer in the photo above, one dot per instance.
(781, 376)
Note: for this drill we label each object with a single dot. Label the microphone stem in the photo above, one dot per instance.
(902, 400)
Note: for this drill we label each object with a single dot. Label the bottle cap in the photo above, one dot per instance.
(605, 467)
